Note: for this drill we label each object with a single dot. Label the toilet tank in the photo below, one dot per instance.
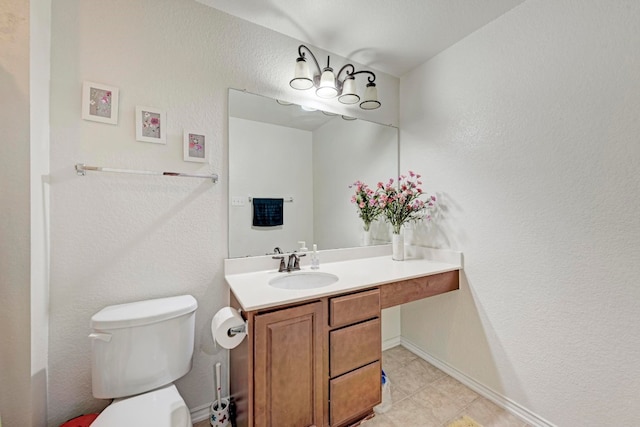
(139, 346)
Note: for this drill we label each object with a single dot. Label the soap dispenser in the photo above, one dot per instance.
(315, 261)
(303, 246)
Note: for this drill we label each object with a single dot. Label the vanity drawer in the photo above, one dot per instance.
(354, 394)
(354, 346)
(352, 308)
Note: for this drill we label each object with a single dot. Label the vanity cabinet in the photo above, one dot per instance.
(355, 352)
(317, 362)
(288, 367)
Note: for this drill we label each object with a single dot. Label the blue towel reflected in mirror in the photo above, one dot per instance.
(268, 212)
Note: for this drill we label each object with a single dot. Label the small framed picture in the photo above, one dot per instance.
(151, 125)
(196, 148)
(100, 103)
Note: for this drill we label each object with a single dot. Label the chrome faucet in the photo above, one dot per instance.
(292, 265)
(282, 266)
(294, 262)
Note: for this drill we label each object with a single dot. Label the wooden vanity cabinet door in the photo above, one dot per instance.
(288, 367)
(354, 394)
(353, 308)
(354, 346)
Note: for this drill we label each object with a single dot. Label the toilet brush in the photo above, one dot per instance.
(218, 385)
(220, 407)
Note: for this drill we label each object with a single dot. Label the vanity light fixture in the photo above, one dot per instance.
(329, 85)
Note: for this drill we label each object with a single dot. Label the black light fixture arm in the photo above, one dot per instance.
(344, 68)
(301, 54)
(353, 72)
(371, 78)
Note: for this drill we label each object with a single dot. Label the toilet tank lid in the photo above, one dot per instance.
(143, 312)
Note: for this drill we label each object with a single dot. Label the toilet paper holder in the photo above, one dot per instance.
(234, 330)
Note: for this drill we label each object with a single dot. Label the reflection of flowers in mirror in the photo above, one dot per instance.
(365, 201)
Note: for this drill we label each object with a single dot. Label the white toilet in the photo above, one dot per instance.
(138, 350)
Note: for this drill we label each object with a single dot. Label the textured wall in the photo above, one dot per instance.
(14, 213)
(528, 129)
(117, 238)
(40, 78)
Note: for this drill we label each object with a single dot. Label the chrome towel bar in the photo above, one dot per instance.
(81, 169)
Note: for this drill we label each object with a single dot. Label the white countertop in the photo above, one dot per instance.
(252, 290)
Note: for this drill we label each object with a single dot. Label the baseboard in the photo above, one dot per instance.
(200, 413)
(497, 398)
(391, 342)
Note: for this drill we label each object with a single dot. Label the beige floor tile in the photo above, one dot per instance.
(414, 376)
(489, 414)
(409, 379)
(438, 403)
(389, 364)
(400, 354)
(397, 393)
(432, 372)
(455, 390)
(380, 420)
(408, 413)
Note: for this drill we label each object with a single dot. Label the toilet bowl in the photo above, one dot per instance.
(138, 350)
(159, 408)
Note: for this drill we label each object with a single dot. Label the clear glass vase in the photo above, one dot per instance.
(366, 237)
(397, 246)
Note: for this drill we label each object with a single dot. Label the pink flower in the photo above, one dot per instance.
(155, 121)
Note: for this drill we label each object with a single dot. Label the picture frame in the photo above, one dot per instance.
(196, 147)
(100, 102)
(151, 125)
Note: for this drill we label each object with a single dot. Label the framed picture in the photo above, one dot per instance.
(151, 125)
(196, 147)
(100, 103)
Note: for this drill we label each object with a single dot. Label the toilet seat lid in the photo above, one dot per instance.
(163, 407)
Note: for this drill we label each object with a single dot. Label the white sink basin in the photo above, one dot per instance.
(303, 280)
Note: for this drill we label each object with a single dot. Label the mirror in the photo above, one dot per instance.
(309, 159)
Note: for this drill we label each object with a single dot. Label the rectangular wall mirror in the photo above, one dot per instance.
(308, 158)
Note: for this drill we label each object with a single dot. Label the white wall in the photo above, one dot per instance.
(15, 357)
(343, 153)
(117, 238)
(528, 130)
(40, 59)
(264, 157)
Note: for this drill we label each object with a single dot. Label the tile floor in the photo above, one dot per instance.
(424, 396)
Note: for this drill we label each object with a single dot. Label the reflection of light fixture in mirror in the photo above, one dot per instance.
(326, 113)
(310, 109)
(285, 103)
(330, 85)
(348, 118)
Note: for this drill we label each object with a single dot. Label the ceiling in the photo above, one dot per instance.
(392, 36)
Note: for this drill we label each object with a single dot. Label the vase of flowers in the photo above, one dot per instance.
(400, 204)
(368, 209)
